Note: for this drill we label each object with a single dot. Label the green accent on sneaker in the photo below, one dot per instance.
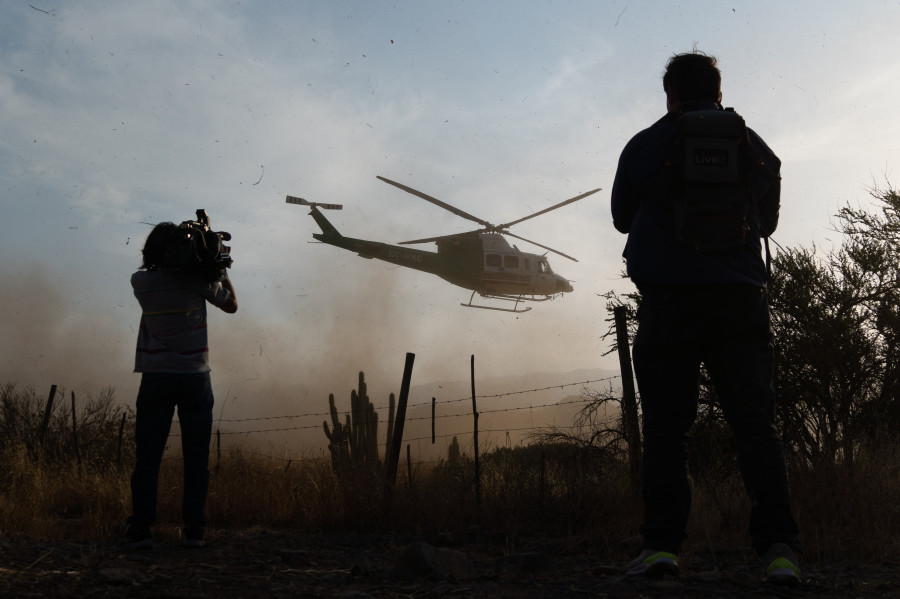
(653, 564)
(661, 555)
(782, 564)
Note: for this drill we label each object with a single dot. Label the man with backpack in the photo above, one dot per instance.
(696, 192)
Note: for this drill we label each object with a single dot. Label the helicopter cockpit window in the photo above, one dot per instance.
(544, 267)
(492, 260)
(510, 261)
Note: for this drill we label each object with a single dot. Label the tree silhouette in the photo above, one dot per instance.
(837, 326)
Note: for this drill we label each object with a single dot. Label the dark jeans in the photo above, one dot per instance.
(158, 397)
(727, 329)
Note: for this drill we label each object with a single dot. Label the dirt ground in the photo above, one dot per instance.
(270, 564)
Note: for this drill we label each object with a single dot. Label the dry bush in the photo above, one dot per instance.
(93, 440)
(47, 490)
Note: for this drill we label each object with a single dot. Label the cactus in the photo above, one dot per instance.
(453, 454)
(354, 443)
(337, 436)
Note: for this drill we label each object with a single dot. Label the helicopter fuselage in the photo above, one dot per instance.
(482, 262)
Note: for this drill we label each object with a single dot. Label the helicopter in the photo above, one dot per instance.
(481, 260)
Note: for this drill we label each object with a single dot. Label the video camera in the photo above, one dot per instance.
(209, 251)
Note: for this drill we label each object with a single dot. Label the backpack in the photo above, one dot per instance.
(712, 204)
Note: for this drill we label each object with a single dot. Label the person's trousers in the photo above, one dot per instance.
(727, 329)
(159, 396)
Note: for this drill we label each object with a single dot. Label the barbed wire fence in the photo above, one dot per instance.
(493, 436)
(628, 396)
(587, 396)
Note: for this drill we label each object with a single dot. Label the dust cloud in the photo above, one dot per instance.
(49, 337)
(267, 363)
(277, 359)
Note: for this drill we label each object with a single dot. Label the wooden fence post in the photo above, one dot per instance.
(75, 433)
(394, 444)
(475, 437)
(630, 422)
(45, 422)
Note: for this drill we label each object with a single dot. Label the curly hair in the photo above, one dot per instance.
(167, 246)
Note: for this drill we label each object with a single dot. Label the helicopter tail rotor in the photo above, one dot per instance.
(302, 202)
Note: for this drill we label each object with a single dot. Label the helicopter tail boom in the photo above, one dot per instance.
(329, 232)
(332, 236)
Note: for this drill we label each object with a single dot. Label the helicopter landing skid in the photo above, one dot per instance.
(507, 298)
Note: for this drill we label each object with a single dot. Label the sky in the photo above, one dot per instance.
(118, 115)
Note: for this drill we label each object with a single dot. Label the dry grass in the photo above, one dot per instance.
(52, 501)
(538, 491)
(851, 512)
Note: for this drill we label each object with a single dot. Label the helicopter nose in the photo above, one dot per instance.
(563, 285)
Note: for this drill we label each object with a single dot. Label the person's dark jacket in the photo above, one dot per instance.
(642, 197)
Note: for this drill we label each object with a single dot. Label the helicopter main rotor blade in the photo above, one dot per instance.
(414, 241)
(439, 237)
(545, 210)
(549, 249)
(436, 202)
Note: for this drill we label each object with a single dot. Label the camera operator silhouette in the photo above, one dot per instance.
(180, 273)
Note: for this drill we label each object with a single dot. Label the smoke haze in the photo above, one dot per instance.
(120, 115)
(266, 363)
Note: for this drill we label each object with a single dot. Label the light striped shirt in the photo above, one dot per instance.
(172, 335)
